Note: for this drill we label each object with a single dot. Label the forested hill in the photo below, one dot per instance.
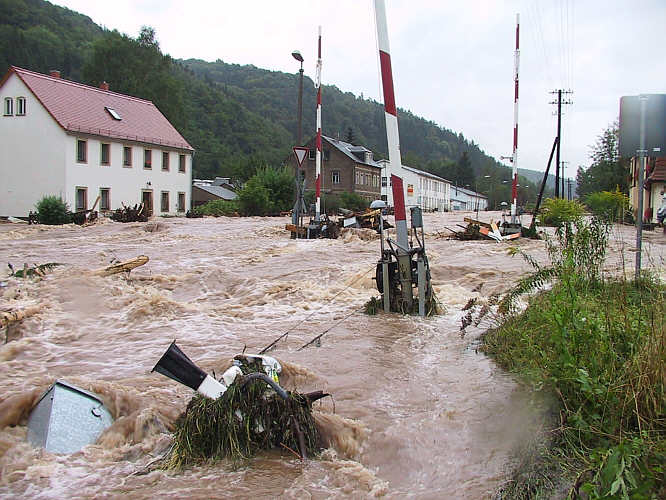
(236, 117)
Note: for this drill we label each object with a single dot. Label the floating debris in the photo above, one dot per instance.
(246, 411)
(67, 418)
(137, 213)
(36, 270)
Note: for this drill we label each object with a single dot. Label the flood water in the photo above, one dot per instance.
(417, 411)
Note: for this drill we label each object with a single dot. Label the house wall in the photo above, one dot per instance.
(32, 158)
(347, 170)
(126, 183)
(419, 190)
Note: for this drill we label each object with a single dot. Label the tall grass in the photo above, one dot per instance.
(598, 344)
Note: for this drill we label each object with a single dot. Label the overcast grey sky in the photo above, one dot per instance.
(452, 61)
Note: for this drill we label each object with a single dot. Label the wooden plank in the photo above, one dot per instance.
(477, 222)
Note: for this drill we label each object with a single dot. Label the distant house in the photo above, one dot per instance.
(78, 142)
(204, 190)
(466, 199)
(344, 168)
(421, 188)
(655, 182)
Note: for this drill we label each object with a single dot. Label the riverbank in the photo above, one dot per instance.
(593, 347)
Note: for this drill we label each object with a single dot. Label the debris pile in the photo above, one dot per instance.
(137, 213)
(478, 230)
(370, 219)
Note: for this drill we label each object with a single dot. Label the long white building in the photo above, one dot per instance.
(422, 189)
(59, 137)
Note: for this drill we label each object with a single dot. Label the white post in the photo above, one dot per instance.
(514, 158)
(318, 154)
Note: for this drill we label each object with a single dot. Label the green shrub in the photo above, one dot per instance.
(218, 208)
(557, 211)
(268, 192)
(353, 201)
(52, 210)
(608, 205)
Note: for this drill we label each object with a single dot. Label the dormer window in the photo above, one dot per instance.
(114, 114)
(9, 106)
(20, 106)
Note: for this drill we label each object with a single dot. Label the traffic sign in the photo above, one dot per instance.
(300, 153)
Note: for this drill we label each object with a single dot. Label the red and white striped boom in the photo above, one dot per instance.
(391, 116)
(514, 157)
(318, 154)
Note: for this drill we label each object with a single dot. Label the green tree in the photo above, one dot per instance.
(269, 191)
(607, 172)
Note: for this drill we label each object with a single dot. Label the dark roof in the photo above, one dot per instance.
(350, 149)
(425, 174)
(81, 108)
(219, 191)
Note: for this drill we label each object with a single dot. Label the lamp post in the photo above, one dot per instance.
(297, 55)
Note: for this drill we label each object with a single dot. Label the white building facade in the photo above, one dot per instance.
(423, 189)
(466, 199)
(79, 142)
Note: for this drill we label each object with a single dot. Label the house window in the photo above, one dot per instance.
(127, 156)
(312, 154)
(20, 106)
(181, 202)
(104, 199)
(81, 199)
(9, 106)
(105, 154)
(147, 158)
(114, 114)
(181, 163)
(383, 181)
(327, 154)
(81, 150)
(335, 176)
(165, 201)
(165, 160)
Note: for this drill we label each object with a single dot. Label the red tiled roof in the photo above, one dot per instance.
(81, 108)
(659, 171)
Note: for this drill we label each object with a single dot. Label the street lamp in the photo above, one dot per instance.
(297, 55)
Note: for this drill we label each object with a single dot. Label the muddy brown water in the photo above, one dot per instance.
(417, 411)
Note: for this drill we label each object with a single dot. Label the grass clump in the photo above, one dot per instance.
(599, 345)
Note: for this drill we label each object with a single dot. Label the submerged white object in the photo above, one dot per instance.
(230, 375)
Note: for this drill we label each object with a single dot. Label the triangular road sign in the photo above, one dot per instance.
(300, 153)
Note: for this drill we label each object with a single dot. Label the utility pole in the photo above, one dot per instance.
(559, 103)
(563, 177)
(569, 197)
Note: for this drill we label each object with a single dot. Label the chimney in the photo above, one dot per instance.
(104, 86)
(55, 73)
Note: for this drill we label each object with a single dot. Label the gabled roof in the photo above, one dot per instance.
(425, 174)
(659, 172)
(79, 108)
(349, 150)
(219, 191)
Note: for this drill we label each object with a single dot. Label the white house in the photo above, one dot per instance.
(423, 189)
(59, 137)
(466, 199)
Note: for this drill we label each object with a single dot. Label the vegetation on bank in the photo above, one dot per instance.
(597, 344)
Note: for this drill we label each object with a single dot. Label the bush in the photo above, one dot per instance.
(218, 208)
(52, 210)
(353, 201)
(608, 205)
(269, 191)
(557, 211)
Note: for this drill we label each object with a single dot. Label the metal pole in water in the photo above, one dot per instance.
(514, 158)
(318, 154)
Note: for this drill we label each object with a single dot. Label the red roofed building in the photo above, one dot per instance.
(78, 142)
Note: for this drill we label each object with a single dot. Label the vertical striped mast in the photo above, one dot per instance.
(514, 157)
(318, 154)
(391, 115)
